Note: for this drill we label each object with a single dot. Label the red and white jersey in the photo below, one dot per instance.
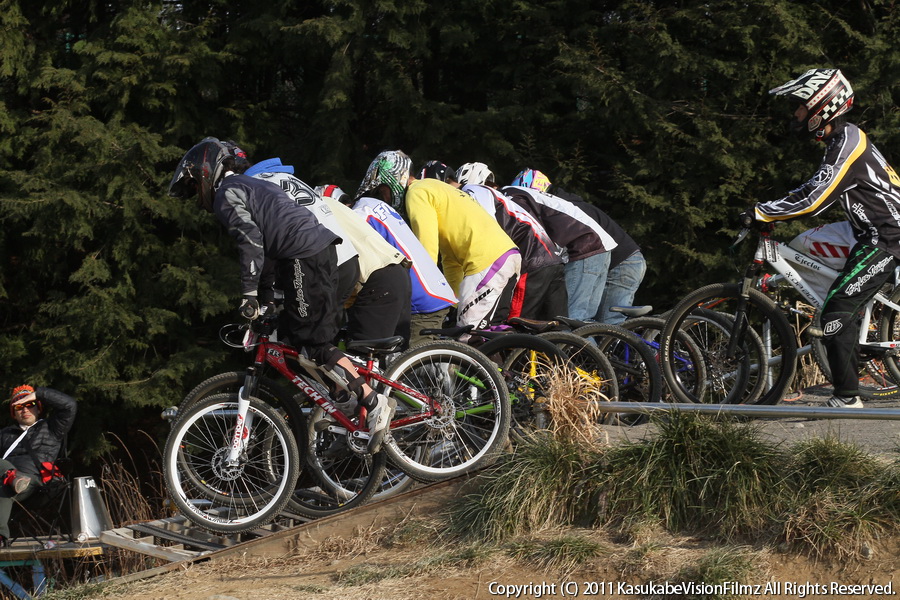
(829, 244)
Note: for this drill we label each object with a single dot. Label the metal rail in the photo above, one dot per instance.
(752, 410)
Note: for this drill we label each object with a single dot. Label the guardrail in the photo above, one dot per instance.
(752, 410)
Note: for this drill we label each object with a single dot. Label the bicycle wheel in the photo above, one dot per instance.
(691, 371)
(329, 459)
(889, 330)
(222, 497)
(730, 357)
(741, 379)
(344, 477)
(877, 376)
(527, 363)
(466, 421)
(634, 362)
(588, 362)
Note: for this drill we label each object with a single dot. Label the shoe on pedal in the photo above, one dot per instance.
(844, 402)
(378, 420)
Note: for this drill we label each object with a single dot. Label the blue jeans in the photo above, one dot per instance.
(585, 280)
(621, 284)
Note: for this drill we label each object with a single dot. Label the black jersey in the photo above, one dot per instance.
(854, 173)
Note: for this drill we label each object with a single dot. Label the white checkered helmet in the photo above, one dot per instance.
(474, 173)
(825, 93)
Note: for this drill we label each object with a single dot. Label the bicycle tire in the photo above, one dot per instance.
(638, 375)
(888, 330)
(244, 496)
(760, 311)
(443, 445)
(883, 371)
(741, 380)
(346, 479)
(328, 461)
(692, 368)
(588, 360)
(526, 363)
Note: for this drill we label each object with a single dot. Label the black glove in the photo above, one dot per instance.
(747, 218)
(250, 307)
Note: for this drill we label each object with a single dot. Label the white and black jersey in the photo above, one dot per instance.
(855, 173)
(568, 226)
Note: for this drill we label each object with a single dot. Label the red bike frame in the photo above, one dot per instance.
(275, 354)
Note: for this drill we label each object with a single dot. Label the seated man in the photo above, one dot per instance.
(30, 446)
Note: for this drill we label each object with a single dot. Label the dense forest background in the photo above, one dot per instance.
(656, 111)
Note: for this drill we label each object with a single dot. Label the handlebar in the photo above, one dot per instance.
(764, 229)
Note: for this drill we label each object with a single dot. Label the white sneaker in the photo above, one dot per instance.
(379, 420)
(842, 402)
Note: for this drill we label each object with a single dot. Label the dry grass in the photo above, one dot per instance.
(808, 372)
(573, 403)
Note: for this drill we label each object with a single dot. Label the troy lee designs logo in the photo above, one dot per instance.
(871, 272)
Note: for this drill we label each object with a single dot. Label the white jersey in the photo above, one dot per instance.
(830, 245)
(307, 197)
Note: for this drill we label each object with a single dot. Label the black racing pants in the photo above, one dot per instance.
(310, 316)
(866, 270)
(541, 294)
(382, 307)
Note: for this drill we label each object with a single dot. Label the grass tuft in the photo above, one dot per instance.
(839, 498)
(730, 564)
(697, 474)
(564, 553)
(573, 404)
(537, 487)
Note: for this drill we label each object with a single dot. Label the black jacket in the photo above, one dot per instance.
(267, 224)
(44, 437)
(566, 224)
(855, 175)
(627, 246)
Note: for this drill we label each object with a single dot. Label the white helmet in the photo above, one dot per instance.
(825, 93)
(474, 173)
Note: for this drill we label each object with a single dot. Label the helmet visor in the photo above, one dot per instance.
(183, 185)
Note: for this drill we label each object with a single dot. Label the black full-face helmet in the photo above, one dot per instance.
(435, 169)
(201, 171)
(825, 93)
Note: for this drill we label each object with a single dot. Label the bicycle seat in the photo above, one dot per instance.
(535, 326)
(633, 311)
(380, 346)
(573, 323)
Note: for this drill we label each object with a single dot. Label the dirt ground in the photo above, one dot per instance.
(325, 575)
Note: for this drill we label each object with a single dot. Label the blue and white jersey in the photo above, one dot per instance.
(430, 290)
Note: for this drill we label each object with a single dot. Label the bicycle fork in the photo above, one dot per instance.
(243, 421)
